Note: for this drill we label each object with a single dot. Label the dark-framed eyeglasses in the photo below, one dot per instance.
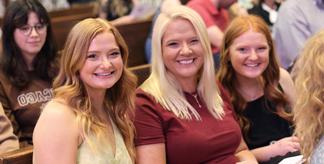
(26, 30)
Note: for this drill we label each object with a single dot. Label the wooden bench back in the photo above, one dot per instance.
(142, 72)
(80, 9)
(135, 35)
(21, 156)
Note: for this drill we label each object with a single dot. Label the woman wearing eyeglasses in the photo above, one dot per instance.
(27, 65)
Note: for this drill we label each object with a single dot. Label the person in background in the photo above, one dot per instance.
(216, 17)
(297, 21)
(52, 5)
(141, 10)
(114, 9)
(309, 109)
(8, 140)
(94, 93)
(262, 93)
(28, 65)
(180, 110)
(267, 10)
(165, 5)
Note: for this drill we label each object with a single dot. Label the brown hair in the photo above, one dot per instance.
(269, 78)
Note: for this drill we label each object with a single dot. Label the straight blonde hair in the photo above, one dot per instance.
(164, 87)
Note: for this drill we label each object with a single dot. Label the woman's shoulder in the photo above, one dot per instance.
(58, 108)
(143, 97)
(287, 84)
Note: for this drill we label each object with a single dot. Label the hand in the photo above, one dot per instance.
(285, 145)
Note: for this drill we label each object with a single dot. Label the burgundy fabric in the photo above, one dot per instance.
(187, 141)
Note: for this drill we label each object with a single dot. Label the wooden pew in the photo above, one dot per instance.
(63, 20)
(142, 72)
(80, 9)
(135, 35)
(21, 156)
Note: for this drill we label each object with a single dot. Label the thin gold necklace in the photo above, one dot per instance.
(195, 95)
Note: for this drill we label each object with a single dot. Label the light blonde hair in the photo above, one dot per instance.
(164, 87)
(309, 108)
(69, 87)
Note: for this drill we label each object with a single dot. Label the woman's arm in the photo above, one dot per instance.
(278, 148)
(56, 136)
(244, 155)
(153, 153)
(8, 141)
(288, 86)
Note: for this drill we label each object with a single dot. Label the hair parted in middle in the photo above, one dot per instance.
(164, 87)
(269, 78)
(119, 99)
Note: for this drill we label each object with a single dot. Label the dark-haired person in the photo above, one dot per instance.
(27, 65)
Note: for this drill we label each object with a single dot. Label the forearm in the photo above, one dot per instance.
(263, 153)
(245, 156)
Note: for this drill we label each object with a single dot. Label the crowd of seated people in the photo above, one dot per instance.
(85, 95)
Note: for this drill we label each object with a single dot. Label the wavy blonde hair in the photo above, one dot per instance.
(309, 109)
(269, 78)
(69, 87)
(164, 87)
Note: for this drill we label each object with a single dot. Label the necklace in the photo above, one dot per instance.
(195, 95)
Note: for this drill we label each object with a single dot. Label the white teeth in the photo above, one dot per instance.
(186, 61)
(252, 65)
(104, 74)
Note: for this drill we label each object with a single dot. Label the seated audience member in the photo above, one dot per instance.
(297, 21)
(262, 93)
(181, 115)
(141, 10)
(216, 17)
(309, 108)
(113, 9)
(8, 141)
(267, 10)
(94, 94)
(27, 65)
(51, 5)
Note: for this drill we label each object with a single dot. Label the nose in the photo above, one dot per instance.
(253, 55)
(105, 62)
(34, 32)
(185, 49)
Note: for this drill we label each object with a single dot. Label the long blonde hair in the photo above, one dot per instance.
(309, 108)
(69, 87)
(163, 86)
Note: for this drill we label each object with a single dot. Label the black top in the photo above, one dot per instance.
(266, 126)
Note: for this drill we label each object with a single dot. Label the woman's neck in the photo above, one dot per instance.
(250, 89)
